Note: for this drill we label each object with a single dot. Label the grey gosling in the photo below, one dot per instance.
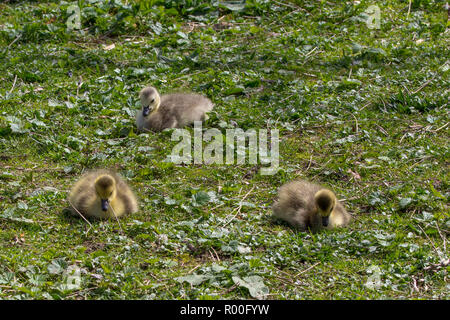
(174, 110)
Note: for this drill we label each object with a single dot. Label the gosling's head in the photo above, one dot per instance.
(150, 100)
(325, 202)
(105, 187)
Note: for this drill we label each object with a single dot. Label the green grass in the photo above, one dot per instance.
(363, 111)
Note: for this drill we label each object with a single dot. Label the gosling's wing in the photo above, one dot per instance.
(181, 100)
(83, 202)
(297, 194)
(83, 193)
(298, 218)
(197, 112)
(84, 183)
(128, 201)
(125, 195)
(186, 108)
(156, 121)
(340, 216)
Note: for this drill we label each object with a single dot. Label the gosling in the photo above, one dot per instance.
(308, 206)
(175, 110)
(102, 194)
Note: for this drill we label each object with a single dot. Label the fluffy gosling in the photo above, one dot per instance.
(308, 206)
(102, 194)
(170, 111)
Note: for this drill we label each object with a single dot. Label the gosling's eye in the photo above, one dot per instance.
(153, 100)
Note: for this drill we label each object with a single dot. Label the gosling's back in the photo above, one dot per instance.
(178, 110)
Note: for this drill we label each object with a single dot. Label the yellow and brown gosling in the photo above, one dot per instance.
(102, 194)
(308, 206)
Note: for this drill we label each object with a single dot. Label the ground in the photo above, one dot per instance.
(360, 108)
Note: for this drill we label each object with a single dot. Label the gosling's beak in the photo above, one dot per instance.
(146, 111)
(325, 221)
(105, 204)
